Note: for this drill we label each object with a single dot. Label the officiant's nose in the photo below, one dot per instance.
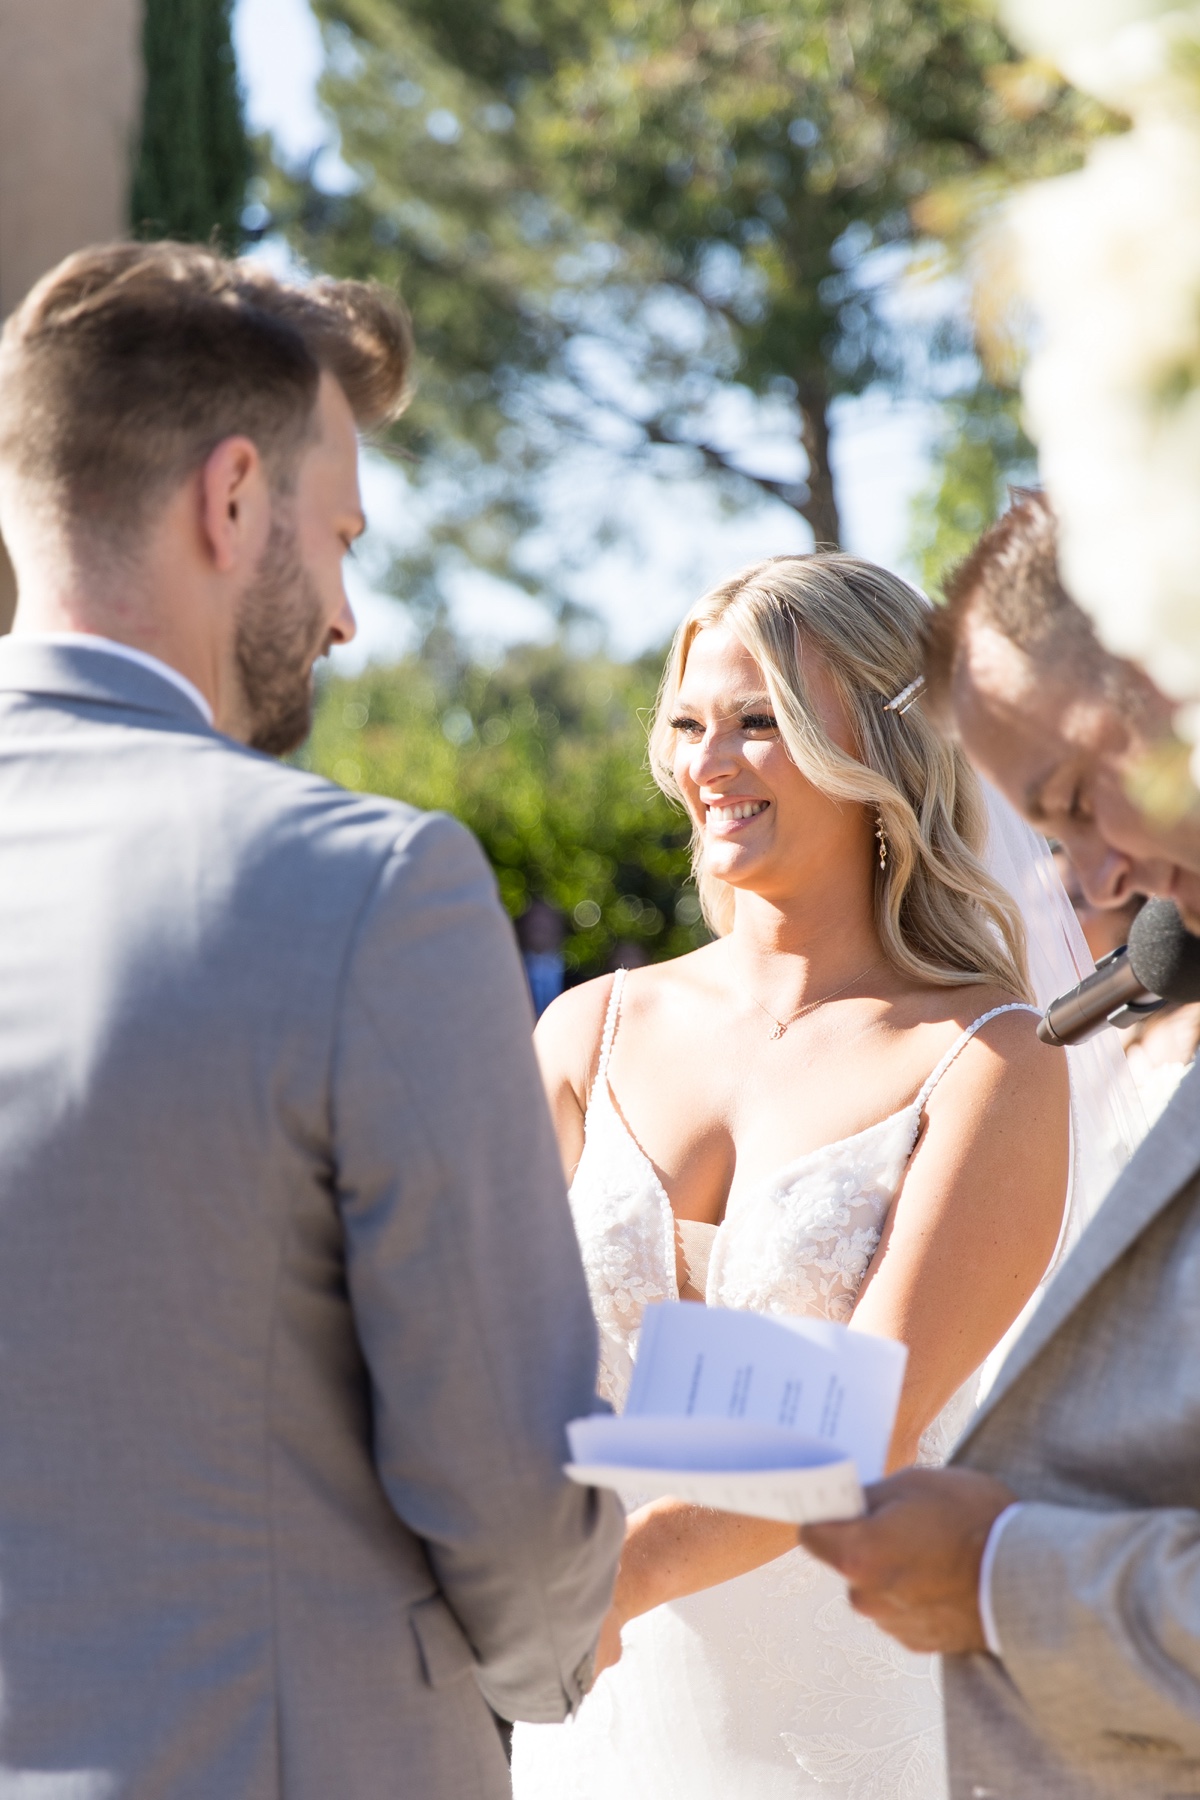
(1106, 875)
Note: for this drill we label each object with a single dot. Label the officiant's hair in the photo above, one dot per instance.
(941, 917)
(126, 365)
(1010, 581)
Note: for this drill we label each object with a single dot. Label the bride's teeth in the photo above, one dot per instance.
(727, 815)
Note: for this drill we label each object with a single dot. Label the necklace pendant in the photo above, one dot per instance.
(779, 1031)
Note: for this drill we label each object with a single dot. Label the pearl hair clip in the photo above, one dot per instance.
(908, 696)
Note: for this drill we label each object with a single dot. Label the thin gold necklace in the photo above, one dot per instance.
(781, 1025)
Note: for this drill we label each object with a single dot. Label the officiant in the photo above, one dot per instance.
(1056, 1562)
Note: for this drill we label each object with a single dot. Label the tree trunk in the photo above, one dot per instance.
(821, 508)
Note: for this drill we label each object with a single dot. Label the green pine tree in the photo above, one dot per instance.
(194, 158)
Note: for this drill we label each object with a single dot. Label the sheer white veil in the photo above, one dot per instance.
(1107, 1121)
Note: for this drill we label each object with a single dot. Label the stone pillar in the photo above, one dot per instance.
(70, 95)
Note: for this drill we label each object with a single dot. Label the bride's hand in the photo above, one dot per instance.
(608, 1647)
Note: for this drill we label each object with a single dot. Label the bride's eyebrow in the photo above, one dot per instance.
(733, 708)
(750, 703)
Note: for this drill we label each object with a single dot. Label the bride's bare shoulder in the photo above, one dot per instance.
(570, 1031)
(1004, 1052)
(576, 1017)
(927, 1008)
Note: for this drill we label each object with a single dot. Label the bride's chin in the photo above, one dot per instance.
(736, 868)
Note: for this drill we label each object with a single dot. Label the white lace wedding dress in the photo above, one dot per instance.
(768, 1687)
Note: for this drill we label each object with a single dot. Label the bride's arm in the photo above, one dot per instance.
(976, 1221)
(966, 1243)
(567, 1041)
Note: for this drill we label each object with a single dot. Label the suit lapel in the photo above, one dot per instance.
(1167, 1158)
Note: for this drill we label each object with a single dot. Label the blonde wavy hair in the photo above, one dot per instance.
(941, 917)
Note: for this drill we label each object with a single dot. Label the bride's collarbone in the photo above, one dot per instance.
(718, 1108)
(877, 1050)
(711, 1086)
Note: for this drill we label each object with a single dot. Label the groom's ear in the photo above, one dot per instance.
(233, 499)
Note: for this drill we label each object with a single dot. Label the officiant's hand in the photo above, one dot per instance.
(912, 1563)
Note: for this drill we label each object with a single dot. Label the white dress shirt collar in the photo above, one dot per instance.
(86, 640)
(987, 1612)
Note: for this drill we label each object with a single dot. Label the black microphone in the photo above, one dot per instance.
(1159, 966)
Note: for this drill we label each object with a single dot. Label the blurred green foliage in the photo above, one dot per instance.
(982, 451)
(544, 757)
(193, 158)
(615, 220)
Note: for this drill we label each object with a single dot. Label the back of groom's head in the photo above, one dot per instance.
(128, 363)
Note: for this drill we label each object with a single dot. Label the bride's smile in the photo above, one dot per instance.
(730, 814)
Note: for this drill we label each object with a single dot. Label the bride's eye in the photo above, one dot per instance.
(688, 728)
(759, 722)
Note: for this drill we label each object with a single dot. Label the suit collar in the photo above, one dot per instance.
(67, 669)
(1164, 1162)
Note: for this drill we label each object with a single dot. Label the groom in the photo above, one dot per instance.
(291, 1310)
(1057, 1563)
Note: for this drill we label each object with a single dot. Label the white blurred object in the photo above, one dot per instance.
(1109, 260)
(1119, 50)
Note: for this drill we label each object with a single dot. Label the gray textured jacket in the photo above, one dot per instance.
(291, 1309)
(1095, 1420)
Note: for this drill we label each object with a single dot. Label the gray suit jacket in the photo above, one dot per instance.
(291, 1309)
(1095, 1420)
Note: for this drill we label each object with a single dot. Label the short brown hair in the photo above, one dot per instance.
(1011, 582)
(126, 365)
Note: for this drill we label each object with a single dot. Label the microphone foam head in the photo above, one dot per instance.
(1163, 955)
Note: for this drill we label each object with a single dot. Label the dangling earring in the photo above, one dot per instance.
(879, 833)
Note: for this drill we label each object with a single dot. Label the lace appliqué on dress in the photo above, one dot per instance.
(803, 1243)
(615, 1197)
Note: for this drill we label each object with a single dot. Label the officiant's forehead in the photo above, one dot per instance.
(1021, 720)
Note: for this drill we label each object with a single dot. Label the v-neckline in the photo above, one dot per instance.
(772, 1181)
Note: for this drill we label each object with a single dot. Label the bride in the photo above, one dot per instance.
(837, 1108)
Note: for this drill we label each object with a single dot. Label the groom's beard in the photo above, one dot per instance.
(279, 635)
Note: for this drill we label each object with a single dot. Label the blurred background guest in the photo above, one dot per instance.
(627, 953)
(541, 933)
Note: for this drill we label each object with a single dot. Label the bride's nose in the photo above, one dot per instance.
(713, 757)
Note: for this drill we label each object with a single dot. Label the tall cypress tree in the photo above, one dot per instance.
(194, 159)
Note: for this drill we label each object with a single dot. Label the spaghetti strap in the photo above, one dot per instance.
(610, 1025)
(960, 1043)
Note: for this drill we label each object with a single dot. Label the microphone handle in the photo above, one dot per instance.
(1087, 1009)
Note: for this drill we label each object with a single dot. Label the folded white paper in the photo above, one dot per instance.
(781, 1418)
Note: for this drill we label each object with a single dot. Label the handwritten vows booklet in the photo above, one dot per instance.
(779, 1417)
